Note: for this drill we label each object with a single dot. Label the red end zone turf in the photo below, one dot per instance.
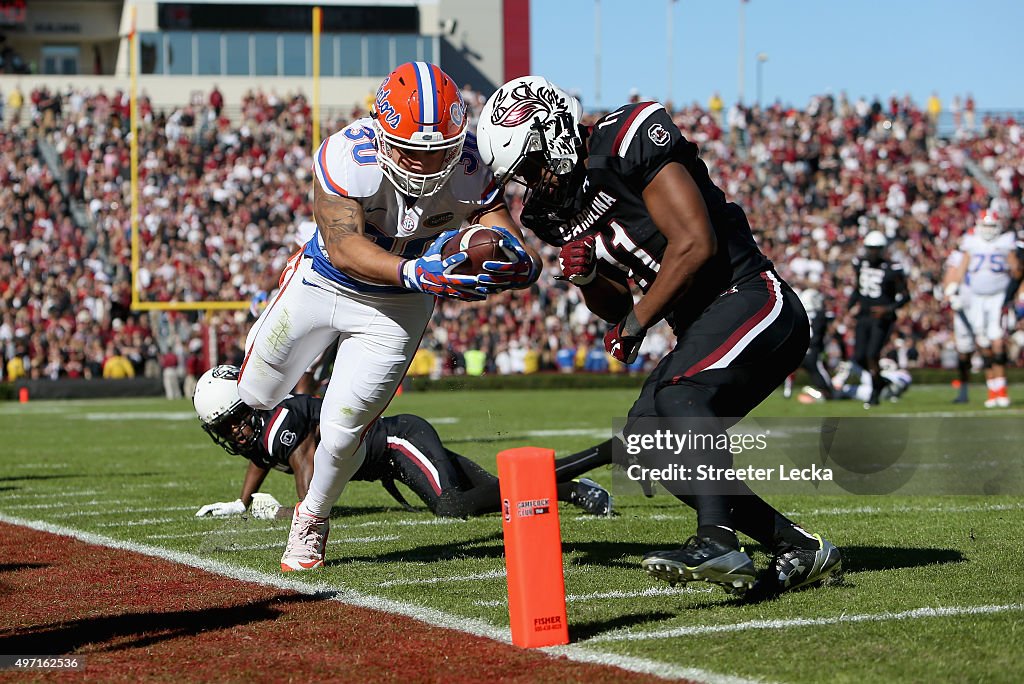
(136, 617)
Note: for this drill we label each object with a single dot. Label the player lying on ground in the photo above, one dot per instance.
(401, 448)
(896, 382)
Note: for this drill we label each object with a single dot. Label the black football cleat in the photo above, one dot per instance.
(702, 558)
(591, 497)
(799, 567)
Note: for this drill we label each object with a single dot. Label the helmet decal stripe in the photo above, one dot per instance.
(428, 96)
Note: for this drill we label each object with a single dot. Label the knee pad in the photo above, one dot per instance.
(986, 360)
(1000, 359)
(338, 442)
(247, 393)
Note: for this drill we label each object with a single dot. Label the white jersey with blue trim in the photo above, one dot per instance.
(345, 165)
(988, 268)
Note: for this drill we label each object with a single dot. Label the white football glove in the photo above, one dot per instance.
(952, 294)
(264, 506)
(235, 507)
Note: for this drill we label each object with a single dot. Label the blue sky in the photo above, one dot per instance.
(865, 47)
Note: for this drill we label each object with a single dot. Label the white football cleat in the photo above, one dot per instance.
(307, 542)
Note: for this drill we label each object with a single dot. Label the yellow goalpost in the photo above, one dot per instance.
(137, 304)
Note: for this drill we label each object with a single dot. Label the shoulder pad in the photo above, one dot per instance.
(346, 162)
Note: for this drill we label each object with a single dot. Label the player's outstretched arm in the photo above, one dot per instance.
(254, 477)
(342, 224)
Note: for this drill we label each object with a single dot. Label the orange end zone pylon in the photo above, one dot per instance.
(533, 547)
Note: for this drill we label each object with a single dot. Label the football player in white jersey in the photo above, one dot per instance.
(389, 190)
(989, 263)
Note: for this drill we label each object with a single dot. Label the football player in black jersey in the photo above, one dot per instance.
(403, 448)
(630, 200)
(880, 290)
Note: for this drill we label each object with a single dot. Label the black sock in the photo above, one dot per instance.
(963, 367)
(722, 535)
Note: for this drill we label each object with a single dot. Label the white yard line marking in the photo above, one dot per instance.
(138, 415)
(279, 545)
(426, 615)
(404, 523)
(873, 510)
(911, 509)
(445, 420)
(490, 574)
(130, 511)
(52, 495)
(601, 595)
(68, 505)
(134, 523)
(915, 614)
(218, 531)
(42, 464)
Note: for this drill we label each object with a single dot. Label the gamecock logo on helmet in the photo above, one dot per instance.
(523, 104)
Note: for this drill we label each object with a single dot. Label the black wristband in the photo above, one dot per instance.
(630, 326)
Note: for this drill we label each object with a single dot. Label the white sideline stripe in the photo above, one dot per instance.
(490, 574)
(429, 616)
(915, 614)
(40, 465)
(596, 596)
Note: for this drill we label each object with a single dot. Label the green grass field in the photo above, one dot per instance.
(932, 589)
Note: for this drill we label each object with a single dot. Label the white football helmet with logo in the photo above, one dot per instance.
(990, 225)
(231, 423)
(529, 132)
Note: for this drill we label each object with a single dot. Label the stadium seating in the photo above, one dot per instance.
(221, 197)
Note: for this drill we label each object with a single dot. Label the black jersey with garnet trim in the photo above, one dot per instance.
(294, 419)
(284, 428)
(879, 284)
(626, 150)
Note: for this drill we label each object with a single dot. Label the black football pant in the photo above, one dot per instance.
(726, 363)
(452, 485)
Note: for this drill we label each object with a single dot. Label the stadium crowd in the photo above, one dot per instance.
(222, 196)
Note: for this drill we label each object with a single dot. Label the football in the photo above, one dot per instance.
(480, 244)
